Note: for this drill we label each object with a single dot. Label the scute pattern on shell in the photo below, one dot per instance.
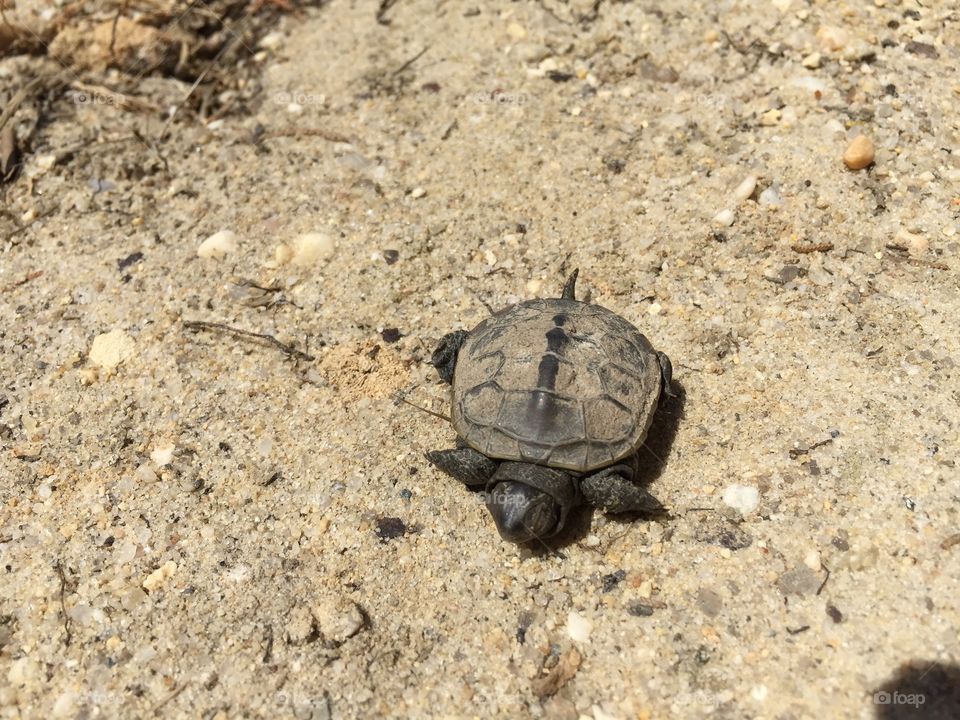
(556, 382)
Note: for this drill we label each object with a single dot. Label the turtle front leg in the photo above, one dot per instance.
(611, 490)
(444, 358)
(465, 464)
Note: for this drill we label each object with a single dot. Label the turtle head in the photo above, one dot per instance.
(522, 512)
(530, 502)
(444, 358)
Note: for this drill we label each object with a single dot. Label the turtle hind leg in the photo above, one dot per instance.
(444, 358)
(465, 464)
(666, 376)
(570, 287)
(611, 491)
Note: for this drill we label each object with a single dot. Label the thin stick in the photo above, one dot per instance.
(63, 603)
(288, 349)
(401, 398)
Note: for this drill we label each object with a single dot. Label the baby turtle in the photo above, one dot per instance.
(552, 399)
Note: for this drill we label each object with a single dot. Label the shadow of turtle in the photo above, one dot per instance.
(919, 690)
(651, 460)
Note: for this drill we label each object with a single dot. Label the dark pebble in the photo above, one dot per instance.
(612, 580)
(129, 260)
(834, 614)
(406, 494)
(657, 73)
(391, 335)
(391, 256)
(788, 273)
(924, 49)
(639, 609)
(389, 528)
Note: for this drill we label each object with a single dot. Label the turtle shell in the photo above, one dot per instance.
(556, 382)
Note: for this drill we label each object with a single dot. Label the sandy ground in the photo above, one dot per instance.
(202, 524)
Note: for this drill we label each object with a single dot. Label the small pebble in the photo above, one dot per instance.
(859, 153)
(609, 582)
(516, 31)
(391, 256)
(832, 38)
(639, 609)
(339, 620)
(578, 627)
(770, 197)
(812, 560)
(771, 117)
(218, 245)
(112, 348)
(389, 528)
(391, 335)
(724, 218)
(800, 580)
(163, 454)
(812, 60)
(271, 41)
(312, 247)
(160, 576)
(709, 602)
(744, 498)
(417, 192)
(283, 254)
(745, 188)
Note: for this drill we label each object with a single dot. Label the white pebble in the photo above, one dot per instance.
(724, 218)
(112, 348)
(812, 60)
(771, 197)
(578, 627)
(655, 308)
(271, 41)
(338, 620)
(744, 498)
(417, 192)
(45, 162)
(745, 189)
(283, 254)
(163, 454)
(812, 559)
(217, 245)
(312, 247)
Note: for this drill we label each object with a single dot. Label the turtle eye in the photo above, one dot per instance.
(521, 512)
